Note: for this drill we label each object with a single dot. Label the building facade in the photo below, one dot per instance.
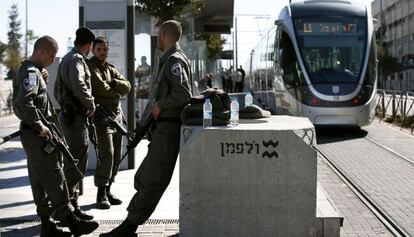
(395, 31)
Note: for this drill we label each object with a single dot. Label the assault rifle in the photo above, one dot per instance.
(72, 172)
(93, 136)
(139, 133)
(110, 118)
(9, 137)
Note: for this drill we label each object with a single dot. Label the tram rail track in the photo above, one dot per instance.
(392, 225)
(392, 151)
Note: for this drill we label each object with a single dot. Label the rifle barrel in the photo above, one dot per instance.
(9, 137)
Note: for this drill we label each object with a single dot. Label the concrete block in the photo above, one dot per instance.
(254, 179)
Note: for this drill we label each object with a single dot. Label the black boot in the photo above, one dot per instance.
(102, 199)
(112, 198)
(78, 212)
(49, 229)
(80, 227)
(126, 229)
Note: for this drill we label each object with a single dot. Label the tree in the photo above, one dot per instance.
(14, 57)
(166, 9)
(387, 62)
(215, 44)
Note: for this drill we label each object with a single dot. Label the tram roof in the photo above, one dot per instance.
(327, 8)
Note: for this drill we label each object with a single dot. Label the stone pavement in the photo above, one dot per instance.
(386, 178)
(358, 219)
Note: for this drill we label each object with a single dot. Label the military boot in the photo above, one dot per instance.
(112, 198)
(125, 229)
(80, 227)
(102, 199)
(49, 229)
(78, 212)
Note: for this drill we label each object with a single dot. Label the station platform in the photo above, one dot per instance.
(18, 218)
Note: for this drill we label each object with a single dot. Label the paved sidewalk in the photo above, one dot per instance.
(17, 210)
(358, 219)
(387, 179)
(392, 137)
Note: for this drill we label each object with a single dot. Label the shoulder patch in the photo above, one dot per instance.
(31, 69)
(30, 82)
(176, 69)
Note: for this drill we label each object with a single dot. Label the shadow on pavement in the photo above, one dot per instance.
(326, 135)
(12, 154)
(89, 207)
(29, 231)
(15, 204)
(15, 221)
(14, 182)
(13, 168)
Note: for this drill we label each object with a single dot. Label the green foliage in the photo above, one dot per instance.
(3, 48)
(387, 62)
(14, 57)
(14, 28)
(215, 44)
(166, 9)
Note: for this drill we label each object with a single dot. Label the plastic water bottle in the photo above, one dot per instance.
(248, 99)
(234, 112)
(207, 113)
(69, 44)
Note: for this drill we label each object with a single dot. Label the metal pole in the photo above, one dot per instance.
(130, 34)
(236, 45)
(251, 70)
(381, 45)
(27, 29)
(232, 36)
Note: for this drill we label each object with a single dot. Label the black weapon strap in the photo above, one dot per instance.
(154, 94)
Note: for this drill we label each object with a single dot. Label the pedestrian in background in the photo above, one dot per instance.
(50, 191)
(173, 93)
(108, 86)
(74, 95)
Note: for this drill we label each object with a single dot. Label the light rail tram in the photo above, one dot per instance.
(318, 61)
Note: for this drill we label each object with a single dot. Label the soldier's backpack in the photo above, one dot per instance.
(192, 114)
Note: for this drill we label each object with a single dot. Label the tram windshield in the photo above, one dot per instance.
(332, 48)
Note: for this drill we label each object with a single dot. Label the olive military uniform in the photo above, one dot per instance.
(155, 172)
(108, 85)
(47, 180)
(73, 92)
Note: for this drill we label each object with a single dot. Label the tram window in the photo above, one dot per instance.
(332, 48)
(292, 73)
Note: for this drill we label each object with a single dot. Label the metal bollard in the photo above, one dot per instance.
(394, 112)
(383, 104)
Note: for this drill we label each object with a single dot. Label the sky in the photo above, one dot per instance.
(59, 19)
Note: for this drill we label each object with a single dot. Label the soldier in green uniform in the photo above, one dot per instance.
(108, 85)
(50, 191)
(165, 105)
(74, 95)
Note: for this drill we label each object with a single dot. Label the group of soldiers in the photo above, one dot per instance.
(84, 86)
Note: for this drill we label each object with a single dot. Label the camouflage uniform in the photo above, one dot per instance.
(73, 92)
(108, 85)
(155, 172)
(50, 192)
